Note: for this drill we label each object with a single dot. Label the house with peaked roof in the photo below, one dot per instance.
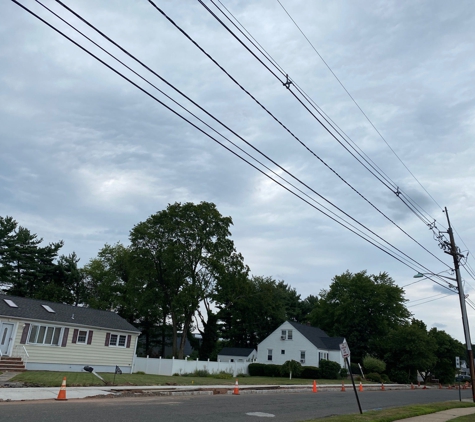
(237, 354)
(57, 337)
(303, 343)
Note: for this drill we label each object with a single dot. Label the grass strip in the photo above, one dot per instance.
(84, 379)
(397, 413)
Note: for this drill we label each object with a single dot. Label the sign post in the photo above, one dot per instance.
(345, 352)
(457, 365)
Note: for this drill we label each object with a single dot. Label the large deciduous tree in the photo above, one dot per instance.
(362, 308)
(183, 250)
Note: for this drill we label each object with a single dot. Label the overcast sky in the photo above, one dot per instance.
(85, 155)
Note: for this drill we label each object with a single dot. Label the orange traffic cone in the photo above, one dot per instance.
(382, 387)
(314, 389)
(343, 386)
(412, 386)
(62, 391)
(418, 383)
(361, 387)
(236, 388)
(440, 386)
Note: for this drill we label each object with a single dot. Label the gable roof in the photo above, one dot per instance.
(32, 309)
(236, 351)
(318, 337)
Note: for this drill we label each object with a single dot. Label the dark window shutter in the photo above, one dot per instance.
(75, 335)
(89, 337)
(65, 337)
(108, 337)
(129, 337)
(24, 334)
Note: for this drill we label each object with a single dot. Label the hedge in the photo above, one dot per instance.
(264, 370)
(310, 372)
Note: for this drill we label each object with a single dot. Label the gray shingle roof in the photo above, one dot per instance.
(31, 309)
(236, 351)
(318, 337)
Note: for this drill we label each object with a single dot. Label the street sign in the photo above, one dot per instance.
(457, 362)
(345, 350)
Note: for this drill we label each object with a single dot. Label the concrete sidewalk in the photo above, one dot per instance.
(44, 393)
(445, 415)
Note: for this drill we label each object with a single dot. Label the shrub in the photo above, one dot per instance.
(291, 366)
(401, 377)
(222, 375)
(343, 372)
(329, 369)
(372, 364)
(310, 373)
(264, 370)
(385, 378)
(140, 373)
(373, 376)
(200, 373)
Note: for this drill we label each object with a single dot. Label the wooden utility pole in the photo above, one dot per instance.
(456, 256)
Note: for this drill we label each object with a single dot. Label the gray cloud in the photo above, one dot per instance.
(85, 156)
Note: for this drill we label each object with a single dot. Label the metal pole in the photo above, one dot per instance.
(466, 329)
(354, 386)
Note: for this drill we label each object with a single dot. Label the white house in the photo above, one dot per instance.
(237, 354)
(303, 343)
(57, 337)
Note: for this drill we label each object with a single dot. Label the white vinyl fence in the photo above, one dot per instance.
(161, 366)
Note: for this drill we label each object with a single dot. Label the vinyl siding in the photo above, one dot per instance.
(84, 354)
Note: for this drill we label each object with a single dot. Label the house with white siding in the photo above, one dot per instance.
(57, 337)
(303, 343)
(237, 354)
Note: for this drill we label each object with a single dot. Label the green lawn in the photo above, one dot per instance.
(396, 413)
(51, 379)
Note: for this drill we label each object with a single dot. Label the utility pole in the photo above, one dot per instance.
(456, 256)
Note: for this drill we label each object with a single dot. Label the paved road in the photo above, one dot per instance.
(220, 408)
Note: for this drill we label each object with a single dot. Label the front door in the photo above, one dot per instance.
(6, 332)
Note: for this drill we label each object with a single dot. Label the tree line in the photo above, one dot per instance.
(181, 272)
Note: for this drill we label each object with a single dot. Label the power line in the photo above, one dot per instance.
(357, 105)
(288, 130)
(411, 204)
(345, 137)
(225, 126)
(196, 127)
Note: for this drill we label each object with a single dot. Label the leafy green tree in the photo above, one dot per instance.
(258, 307)
(66, 285)
(362, 308)
(183, 250)
(291, 367)
(408, 349)
(116, 281)
(447, 348)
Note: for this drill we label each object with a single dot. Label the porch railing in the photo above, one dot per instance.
(19, 351)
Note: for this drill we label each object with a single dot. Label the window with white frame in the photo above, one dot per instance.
(302, 356)
(44, 334)
(269, 354)
(82, 337)
(323, 355)
(118, 340)
(282, 352)
(289, 334)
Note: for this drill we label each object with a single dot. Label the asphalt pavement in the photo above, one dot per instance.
(10, 393)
